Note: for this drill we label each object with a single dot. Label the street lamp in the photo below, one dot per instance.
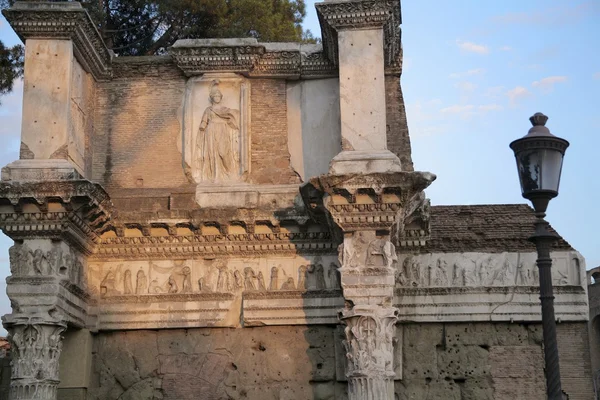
(539, 157)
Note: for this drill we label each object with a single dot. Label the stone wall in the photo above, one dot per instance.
(450, 361)
(254, 363)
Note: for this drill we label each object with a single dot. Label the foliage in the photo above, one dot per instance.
(11, 66)
(142, 27)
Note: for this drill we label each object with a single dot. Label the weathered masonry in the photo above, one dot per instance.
(241, 220)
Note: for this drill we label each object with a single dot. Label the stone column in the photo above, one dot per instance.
(54, 226)
(35, 349)
(369, 334)
(360, 37)
(367, 213)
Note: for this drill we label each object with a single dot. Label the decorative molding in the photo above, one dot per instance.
(249, 57)
(335, 16)
(82, 210)
(45, 20)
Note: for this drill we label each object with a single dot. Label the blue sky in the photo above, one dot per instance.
(474, 71)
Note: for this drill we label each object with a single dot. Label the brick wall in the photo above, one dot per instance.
(398, 140)
(574, 357)
(137, 123)
(136, 131)
(269, 142)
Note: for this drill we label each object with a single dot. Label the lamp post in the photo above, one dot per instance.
(539, 157)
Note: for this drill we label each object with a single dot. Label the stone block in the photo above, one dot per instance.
(461, 362)
(71, 394)
(76, 360)
(419, 350)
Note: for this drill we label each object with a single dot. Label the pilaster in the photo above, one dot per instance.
(64, 54)
(363, 39)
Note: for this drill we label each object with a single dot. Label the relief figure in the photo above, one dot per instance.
(109, 283)
(141, 283)
(223, 284)
(439, 276)
(237, 280)
(458, 275)
(127, 286)
(261, 282)
(318, 276)
(249, 277)
(173, 288)
(217, 155)
(288, 284)
(302, 284)
(54, 258)
(274, 279)
(39, 261)
(187, 280)
(334, 276)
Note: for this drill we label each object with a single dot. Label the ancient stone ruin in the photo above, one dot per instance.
(241, 220)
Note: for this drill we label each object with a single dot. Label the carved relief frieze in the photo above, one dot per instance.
(63, 21)
(316, 273)
(482, 269)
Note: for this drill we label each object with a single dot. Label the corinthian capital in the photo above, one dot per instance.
(36, 349)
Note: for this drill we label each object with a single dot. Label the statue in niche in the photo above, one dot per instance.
(173, 288)
(217, 155)
(274, 279)
(334, 276)
(187, 280)
(302, 284)
(249, 277)
(141, 283)
(261, 282)
(109, 283)
(223, 284)
(288, 284)
(318, 274)
(127, 286)
(238, 282)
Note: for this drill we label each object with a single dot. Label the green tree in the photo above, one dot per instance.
(142, 27)
(11, 66)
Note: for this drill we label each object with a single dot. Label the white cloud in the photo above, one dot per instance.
(494, 91)
(458, 109)
(466, 86)
(596, 75)
(476, 71)
(517, 94)
(473, 47)
(505, 48)
(547, 84)
(490, 107)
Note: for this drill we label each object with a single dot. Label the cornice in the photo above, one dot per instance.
(45, 20)
(336, 16)
(251, 58)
